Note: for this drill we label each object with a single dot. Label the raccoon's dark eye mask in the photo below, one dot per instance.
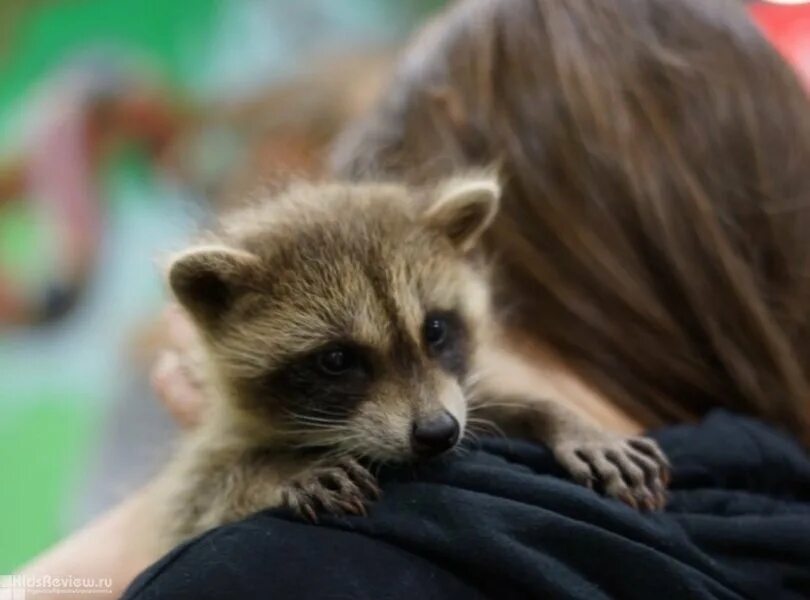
(341, 360)
(329, 381)
(445, 338)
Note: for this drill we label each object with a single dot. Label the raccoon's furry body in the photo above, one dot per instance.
(348, 323)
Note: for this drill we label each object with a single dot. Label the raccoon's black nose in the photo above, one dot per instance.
(433, 436)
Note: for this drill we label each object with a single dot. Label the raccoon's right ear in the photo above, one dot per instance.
(207, 279)
(464, 208)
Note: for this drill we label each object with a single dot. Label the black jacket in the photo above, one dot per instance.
(502, 522)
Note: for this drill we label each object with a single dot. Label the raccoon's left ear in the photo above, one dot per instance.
(207, 280)
(463, 209)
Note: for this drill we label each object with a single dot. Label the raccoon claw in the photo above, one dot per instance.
(633, 470)
(363, 478)
(341, 488)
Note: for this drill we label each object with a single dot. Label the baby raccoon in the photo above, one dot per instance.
(347, 324)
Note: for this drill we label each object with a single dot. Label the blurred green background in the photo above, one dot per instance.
(95, 184)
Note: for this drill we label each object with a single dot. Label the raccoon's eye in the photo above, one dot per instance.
(446, 340)
(434, 331)
(337, 361)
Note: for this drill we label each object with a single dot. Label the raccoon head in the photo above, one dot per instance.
(346, 318)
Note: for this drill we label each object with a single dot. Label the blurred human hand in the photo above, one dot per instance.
(178, 376)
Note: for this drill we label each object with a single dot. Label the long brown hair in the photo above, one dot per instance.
(656, 222)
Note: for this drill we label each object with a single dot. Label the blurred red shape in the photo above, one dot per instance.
(787, 26)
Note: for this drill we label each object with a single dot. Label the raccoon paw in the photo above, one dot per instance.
(633, 470)
(337, 488)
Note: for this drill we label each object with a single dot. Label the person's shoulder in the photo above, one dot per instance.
(271, 556)
(501, 520)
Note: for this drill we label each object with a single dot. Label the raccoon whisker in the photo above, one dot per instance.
(485, 426)
(317, 424)
(322, 433)
(337, 412)
(316, 420)
(338, 434)
(473, 408)
(318, 413)
(340, 453)
(472, 436)
(312, 417)
(341, 440)
(326, 456)
(303, 420)
(319, 431)
(311, 443)
(319, 444)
